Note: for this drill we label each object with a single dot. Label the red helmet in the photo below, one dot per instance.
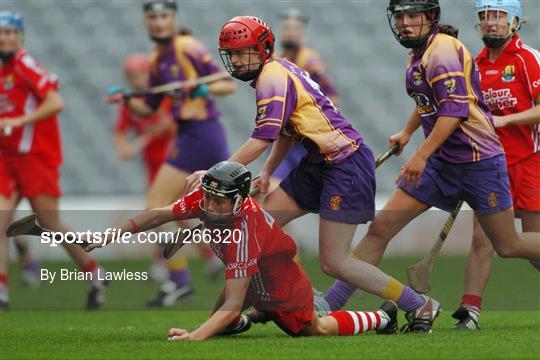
(246, 32)
(136, 62)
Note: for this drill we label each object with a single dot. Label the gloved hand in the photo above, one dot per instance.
(200, 91)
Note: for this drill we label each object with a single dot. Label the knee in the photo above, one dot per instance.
(330, 267)
(507, 251)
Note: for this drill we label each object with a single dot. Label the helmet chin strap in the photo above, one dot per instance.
(6, 56)
(162, 40)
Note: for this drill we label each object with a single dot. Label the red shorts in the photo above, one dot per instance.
(29, 176)
(297, 313)
(525, 183)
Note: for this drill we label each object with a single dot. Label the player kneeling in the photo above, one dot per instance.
(259, 267)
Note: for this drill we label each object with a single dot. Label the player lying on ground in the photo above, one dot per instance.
(259, 266)
(461, 157)
(337, 176)
(510, 79)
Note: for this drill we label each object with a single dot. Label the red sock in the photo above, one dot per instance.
(473, 304)
(356, 322)
(4, 279)
(91, 266)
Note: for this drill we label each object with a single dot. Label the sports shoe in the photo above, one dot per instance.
(390, 310)
(421, 319)
(466, 321)
(96, 294)
(4, 305)
(321, 305)
(171, 293)
(243, 325)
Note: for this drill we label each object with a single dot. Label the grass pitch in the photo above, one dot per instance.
(47, 323)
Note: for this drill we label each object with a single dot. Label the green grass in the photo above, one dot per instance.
(46, 323)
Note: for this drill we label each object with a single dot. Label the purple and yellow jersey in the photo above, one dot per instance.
(185, 59)
(444, 81)
(290, 103)
(309, 60)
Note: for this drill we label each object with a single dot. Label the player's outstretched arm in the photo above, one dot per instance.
(235, 293)
(146, 220)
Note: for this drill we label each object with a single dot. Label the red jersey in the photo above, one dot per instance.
(258, 249)
(510, 85)
(157, 148)
(23, 86)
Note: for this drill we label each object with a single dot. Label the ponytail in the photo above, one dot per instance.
(448, 30)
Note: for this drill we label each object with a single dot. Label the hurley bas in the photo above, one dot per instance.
(99, 274)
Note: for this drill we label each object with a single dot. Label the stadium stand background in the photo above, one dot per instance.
(84, 42)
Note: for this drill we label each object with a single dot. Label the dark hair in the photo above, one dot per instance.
(184, 31)
(448, 30)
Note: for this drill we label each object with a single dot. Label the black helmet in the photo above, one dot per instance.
(293, 13)
(396, 7)
(159, 5)
(230, 180)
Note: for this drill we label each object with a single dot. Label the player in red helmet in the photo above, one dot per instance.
(337, 176)
(30, 149)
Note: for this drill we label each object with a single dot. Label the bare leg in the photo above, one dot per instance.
(400, 210)
(282, 207)
(7, 207)
(501, 231)
(478, 262)
(47, 208)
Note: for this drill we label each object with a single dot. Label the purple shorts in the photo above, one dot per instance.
(342, 192)
(198, 145)
(483, 185)
(292, 159)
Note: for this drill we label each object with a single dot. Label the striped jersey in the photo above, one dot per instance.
(290, 103)
(443, 80)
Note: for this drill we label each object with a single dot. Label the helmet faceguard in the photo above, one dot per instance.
(512, 9)
(225, 181)
(248, 38)
(397, 8)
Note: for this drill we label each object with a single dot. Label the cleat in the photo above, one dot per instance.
(243, 325)
(170, 294)
(258, 317)
(321, 305)
(4, 305)
(421, 319)
(96, 295)
(390, 310)
(466, 321)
